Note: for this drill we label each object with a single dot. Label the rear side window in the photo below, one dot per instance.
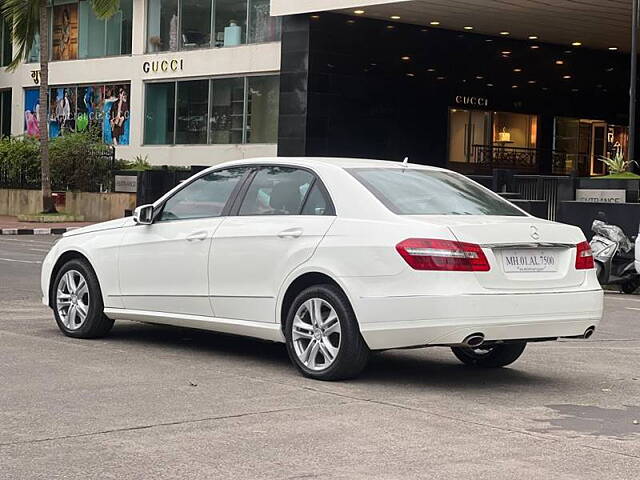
(425, 192)
(316, 203)
(277, 191)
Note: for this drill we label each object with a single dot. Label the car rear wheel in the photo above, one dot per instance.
(322, 335)
(77, 301)
(491, 356)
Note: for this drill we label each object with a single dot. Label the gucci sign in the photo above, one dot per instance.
(174, 65)
(473, 101)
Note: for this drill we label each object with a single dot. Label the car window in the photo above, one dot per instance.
(276, 191)
(316, 203)
(408, 191)
(205, 197)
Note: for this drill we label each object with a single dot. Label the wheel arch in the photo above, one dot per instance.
(301, 281)
(61, 260)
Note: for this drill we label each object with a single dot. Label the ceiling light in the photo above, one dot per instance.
(468, 27)
(566, 77)
(440, 78)
(390, 27)
(351, 21)
(489, 84)
(533, 37)
(613, 49)
(576, 44)
(358, 12)
(411, 74)
(535, 47)
(505, 33)
(505, 52)
(315, 17)
(431, 69)
(479, 77)
(575, 90)
(424, 30)
(406, 58)
(434, 23)
(559, 62)
(394, 17)
(514, 86)
(531, 82)
(489, 40)
(517, 70)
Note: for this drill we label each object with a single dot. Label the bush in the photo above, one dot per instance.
(78, 162)
(19, 162)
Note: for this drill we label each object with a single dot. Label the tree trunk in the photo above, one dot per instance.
(43, 121)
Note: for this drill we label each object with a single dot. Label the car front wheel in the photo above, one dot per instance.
(322, 335)
(77, 301)
(490, 356)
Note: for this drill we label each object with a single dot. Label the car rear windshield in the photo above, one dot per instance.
(410, 191)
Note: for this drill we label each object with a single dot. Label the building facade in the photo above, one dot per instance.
(178, 82)
(540, 89)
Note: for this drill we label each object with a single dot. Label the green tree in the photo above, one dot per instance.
(26, 19)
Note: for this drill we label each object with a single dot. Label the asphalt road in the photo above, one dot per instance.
(152, 402)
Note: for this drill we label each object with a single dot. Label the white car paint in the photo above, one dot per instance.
(233, 277)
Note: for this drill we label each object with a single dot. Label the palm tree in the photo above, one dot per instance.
(27, 18)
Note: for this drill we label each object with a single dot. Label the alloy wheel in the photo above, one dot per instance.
(316, 334)
(72, 299)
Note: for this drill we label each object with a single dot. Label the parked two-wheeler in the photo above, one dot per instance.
(613, 254)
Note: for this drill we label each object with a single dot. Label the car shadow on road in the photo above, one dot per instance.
(391, 368)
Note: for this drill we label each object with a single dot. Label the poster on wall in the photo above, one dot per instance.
(90, 103)
(62, 111)
(65, 32)
(32, 112)
(116, 115)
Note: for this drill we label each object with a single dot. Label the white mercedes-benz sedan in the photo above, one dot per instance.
(335, 258)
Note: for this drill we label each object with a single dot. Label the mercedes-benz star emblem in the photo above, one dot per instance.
(534, 233)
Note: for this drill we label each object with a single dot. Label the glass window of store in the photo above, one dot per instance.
(188, 24)
(216, 111)
(6, 46)
(5, 113)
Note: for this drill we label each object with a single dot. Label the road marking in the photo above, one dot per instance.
(632, 308)
(19, 261)
(3, 239)
(625, 298)
(38, 250)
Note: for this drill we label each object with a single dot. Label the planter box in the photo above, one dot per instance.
(631, 186)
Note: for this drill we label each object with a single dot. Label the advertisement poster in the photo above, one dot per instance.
(65, 32)
(62, 111)
(116, 115)
(31, 112)
(90, 103)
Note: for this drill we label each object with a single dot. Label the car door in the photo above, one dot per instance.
(163, 266)
(277, 223)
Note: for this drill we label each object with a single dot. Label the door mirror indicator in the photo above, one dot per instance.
(143, 215)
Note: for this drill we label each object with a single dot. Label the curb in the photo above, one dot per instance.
(35, 231)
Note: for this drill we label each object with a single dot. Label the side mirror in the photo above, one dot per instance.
(143, 215)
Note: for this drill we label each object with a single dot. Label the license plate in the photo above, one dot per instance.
(531, 260)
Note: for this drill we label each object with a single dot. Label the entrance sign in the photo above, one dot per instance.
(126, 183)
(601, 196)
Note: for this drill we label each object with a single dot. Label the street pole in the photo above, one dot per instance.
(633, 82)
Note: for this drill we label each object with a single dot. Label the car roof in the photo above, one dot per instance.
(328, 161)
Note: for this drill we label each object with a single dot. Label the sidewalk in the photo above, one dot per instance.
(11, 226)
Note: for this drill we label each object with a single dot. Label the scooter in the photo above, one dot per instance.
(613, 254)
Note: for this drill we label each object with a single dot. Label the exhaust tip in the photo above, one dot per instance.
(589, 332)
(474, 340)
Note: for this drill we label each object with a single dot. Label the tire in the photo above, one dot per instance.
(629, 287)
(332, 353)
(496, 356)
(86, 297)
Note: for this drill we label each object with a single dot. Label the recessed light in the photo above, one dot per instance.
(514, 86)
(479, 77)
(517, 70)
(358, 12)
(576, 44)
(533, 37)
(394, 17)
(505, 33)
(531, 82)
(440, 78)
(489, 40)
(535, 47)
(411, 74)
(351, 21)
(610, 69)
(468, 27)
(431, 69)
(390, 27)
(613, 49)
(566, 77)
(434, 23)
(559, 62)
(424, 30)
(505, 52)
(489, 84)
(315, 17)
(405, 58)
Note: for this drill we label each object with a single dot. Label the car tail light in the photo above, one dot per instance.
(584, 256)
(447, 255)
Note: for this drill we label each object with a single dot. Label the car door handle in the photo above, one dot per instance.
(197, 236)
(290, 233)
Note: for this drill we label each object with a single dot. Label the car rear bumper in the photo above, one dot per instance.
(397, 322)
